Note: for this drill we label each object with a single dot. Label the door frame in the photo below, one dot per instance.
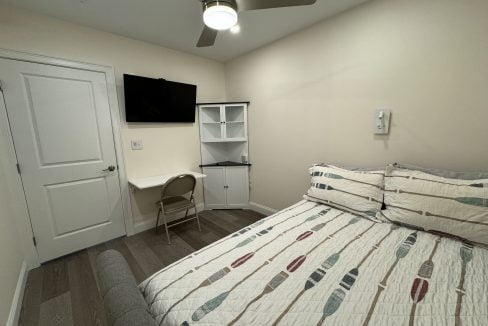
(24, 224)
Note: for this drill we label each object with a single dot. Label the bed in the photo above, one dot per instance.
(312, 264)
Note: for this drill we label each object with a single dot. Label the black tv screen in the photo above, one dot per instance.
(158, 100)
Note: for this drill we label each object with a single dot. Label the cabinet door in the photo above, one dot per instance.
(237, 182)
(214, 188)
(211, 123)
(235, 122)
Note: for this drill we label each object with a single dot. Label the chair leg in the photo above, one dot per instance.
(166, 228)
(157, 220)
(186, 214)
(198, 219)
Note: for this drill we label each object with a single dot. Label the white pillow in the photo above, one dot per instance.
(358, 192)
(434, 203)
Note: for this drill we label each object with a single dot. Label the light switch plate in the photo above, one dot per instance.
(382, 119)
(136, 145)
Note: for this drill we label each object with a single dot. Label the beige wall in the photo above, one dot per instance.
(313, 94)
(167, 147)
(11, 252)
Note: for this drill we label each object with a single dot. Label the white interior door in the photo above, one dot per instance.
(62, 131)
(214, 188)
(237, 178)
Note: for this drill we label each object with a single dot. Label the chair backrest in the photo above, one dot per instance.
(179, 186)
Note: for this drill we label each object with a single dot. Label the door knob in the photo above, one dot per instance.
(110, 168)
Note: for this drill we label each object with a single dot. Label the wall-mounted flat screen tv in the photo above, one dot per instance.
(158, 100)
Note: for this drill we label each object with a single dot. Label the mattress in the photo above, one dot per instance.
(311, 264)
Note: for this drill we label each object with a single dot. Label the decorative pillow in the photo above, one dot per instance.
(434, 203)
(358, 192)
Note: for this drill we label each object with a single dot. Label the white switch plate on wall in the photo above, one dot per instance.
(382, 122)
(136, 145)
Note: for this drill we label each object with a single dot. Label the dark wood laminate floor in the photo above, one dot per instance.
(65, 291)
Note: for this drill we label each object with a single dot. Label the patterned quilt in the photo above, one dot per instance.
(311, 264)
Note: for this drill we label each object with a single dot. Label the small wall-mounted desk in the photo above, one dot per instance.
(158, 180)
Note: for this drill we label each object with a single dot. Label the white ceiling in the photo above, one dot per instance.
(177, 23)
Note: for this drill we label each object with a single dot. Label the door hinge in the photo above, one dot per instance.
(18, 168)
(35, 241)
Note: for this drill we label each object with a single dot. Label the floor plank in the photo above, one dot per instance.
(120, 246)
(167, 253)
(86, 302)
(223, 219)
(29, 314)
(56, 311)
(195, 238)
(54, 279)
(249, 215)
(209, 223)
(145, 257)
(65, 291)
(93, 253)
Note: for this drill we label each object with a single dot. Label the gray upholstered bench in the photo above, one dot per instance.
(124, 303)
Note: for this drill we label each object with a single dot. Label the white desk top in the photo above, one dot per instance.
(159, 180)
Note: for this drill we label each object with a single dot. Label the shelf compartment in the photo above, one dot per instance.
(235, 130)
(212, 132)
(210, 114)
(234, 113)
(213, 152)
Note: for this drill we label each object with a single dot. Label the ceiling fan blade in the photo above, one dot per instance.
(267, 4)
(207, 38)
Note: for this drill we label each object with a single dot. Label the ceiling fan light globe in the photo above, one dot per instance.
(220, 16)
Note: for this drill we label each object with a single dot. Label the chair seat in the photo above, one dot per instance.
(173, 204)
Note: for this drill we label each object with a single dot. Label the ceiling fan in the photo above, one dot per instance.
(221, 15)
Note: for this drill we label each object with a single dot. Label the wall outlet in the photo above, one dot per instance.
(136, 145)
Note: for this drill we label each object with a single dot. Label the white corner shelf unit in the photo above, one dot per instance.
(225, 154)
(223, 123)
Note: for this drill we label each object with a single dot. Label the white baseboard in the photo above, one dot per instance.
(147, 222)
(262, 209)
(13, 318)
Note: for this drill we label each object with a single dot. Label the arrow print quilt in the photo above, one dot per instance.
(312, 264)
